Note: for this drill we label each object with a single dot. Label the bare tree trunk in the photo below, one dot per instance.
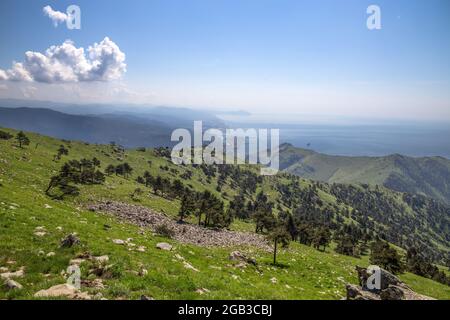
(275, 252)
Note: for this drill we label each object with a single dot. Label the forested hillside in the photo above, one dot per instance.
(52, 187)
(429, 176)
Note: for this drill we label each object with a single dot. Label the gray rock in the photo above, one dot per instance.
(392, 293)
(391, 288)
(11, 284)
(164, 246)
(357, 293)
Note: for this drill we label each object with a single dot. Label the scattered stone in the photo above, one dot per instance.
(46, 206)
(50, 254)
(98, 296)
(274, 280)
(185, 233)
(18, 274)
(95, 284)
(40, 233)
(11, 284)
(239, 256)
(202, 290)
(59, 228)
(216, 267)
(70, 240)
(3, 269)
(144, 297)
(141, 249)
(118, 241)
(164, 246)
(76, 262)
(187, 265)
(101, 259)
(63, 290)
(143, 272)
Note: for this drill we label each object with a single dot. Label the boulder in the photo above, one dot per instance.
(392, 293)
(391, 288)
(357, 293)
(387, 279)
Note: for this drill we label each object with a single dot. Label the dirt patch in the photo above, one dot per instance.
(185, 233)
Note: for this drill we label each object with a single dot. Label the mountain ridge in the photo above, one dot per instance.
(428, 176)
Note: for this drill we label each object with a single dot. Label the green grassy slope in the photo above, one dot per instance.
(304, 273)
(429, 176)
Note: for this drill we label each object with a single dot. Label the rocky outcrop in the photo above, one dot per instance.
(391, 288)
(185, 233)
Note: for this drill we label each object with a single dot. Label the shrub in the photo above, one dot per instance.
(165, 231)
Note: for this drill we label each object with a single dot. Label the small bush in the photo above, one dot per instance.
(165, 231)
(5, 135)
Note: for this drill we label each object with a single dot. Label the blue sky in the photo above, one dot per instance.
(312, 57)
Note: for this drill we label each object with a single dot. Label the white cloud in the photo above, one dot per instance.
(56, 16)
(102, 61)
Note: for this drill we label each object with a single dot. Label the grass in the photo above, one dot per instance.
(303, 272)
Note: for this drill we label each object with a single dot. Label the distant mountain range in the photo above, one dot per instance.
(134, 126)
(429, 176)
(131, 126)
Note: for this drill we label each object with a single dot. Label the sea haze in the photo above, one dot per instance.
(352, 137)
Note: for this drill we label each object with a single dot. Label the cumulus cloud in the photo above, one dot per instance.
(102, 61)
(56, 16)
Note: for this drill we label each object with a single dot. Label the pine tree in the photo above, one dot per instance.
(386, 257)
(110, 169)
(22, 139)
(187, 207)
(279, 235)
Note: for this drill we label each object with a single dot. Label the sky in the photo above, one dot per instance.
(312, 57)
